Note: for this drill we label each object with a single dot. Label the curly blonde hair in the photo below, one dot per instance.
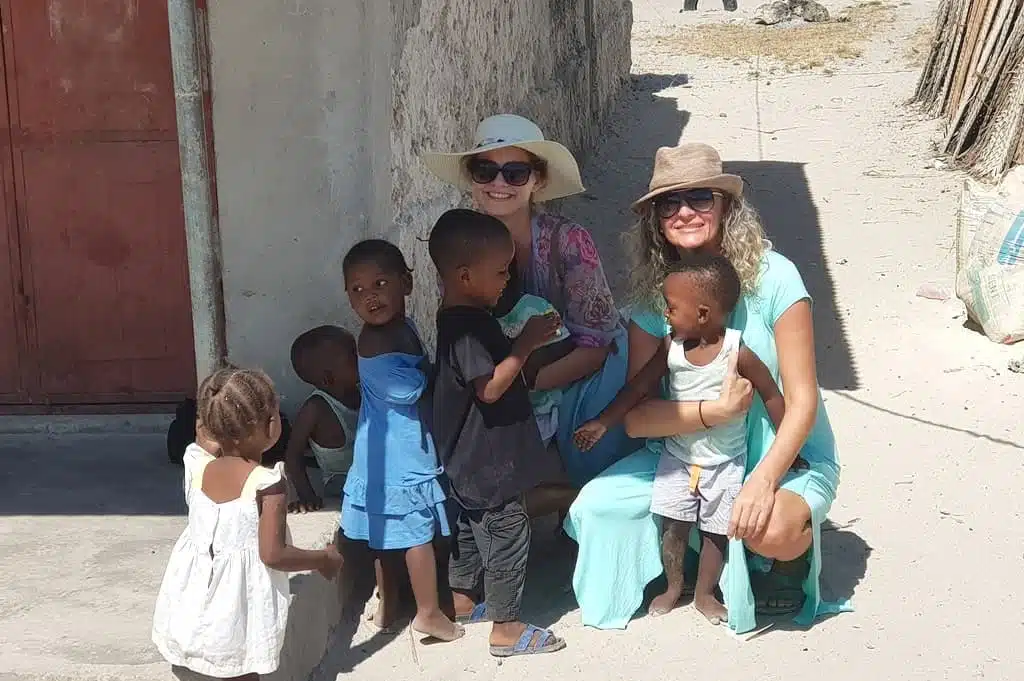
(743, 243)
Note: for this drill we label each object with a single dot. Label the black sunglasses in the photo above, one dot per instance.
(516, 173)
(699, 200)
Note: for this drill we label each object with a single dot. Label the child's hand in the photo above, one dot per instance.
(332, 562)
(587, 435)
(539, 330)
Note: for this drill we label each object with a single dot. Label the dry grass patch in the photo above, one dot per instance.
(795, 45)
(920, 45)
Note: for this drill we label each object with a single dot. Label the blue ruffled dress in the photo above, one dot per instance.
(393, 499)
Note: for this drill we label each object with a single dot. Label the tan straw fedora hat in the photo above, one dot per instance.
(689, 166)
(508, 130)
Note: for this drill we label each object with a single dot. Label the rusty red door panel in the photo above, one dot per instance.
(11, 388)
(13, 361)
(99, 199)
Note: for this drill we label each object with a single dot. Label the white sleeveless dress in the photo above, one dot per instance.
(221, 611)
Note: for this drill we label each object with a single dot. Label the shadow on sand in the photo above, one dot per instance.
(619, 171)
(781, 192)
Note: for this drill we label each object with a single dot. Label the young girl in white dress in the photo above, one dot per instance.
(223, 604)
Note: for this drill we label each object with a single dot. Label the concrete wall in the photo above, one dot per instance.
(302, 161)
(322, 107)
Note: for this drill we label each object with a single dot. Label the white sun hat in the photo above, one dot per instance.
(508, 130)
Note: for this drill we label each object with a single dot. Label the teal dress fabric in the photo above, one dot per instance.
(620, 540)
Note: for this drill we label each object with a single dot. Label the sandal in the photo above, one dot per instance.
(476, 616)
(534, 641)
(777, 594)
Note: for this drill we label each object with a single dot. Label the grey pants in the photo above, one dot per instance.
(490, 549)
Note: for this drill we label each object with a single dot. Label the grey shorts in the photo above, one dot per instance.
(693, 494)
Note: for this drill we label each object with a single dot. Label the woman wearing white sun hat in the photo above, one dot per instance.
(509, 169)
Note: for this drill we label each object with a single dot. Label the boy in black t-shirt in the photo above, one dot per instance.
(485, 430)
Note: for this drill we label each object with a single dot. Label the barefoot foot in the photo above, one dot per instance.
(665, 603)
(438, 626)
(385, 616)
(709, 606)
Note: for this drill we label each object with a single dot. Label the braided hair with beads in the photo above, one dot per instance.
(236, 404)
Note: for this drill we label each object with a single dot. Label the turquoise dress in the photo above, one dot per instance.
(620, 540)
(393, 499)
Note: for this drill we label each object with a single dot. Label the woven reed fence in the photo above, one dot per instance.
(974, 78)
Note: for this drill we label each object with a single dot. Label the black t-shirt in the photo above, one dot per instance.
(491, 452)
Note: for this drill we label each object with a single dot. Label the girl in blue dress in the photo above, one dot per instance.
(393, 500)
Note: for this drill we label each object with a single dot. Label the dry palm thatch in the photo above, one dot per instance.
(972, 77)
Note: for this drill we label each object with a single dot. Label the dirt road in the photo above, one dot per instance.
(927, 416)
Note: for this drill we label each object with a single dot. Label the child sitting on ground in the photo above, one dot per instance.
(393, 499)
(699, 474)
(230, 564)
(325, 358)
(513, 311)
(485, 428)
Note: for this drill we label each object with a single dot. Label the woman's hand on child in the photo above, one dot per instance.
(539, 329)
(736, 396)
(332, 562)
(587, 435)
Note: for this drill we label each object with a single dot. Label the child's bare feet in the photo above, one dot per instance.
(709, 606)
(665, 603)
(387, 613)
(673, 549)
(437, 625)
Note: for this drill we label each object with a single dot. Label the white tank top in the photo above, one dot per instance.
(336, 461)
(689, 383)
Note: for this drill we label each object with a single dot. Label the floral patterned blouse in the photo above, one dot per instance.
(585, 300)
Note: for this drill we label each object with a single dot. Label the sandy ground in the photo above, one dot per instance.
(925, 411)
(83, 548)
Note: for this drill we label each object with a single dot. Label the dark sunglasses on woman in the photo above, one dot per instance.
(516, 173)
(699, 200)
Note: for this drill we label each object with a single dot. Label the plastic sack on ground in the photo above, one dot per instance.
(990, 256)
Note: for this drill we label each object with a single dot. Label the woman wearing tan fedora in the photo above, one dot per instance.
(508, 171)
(792, 475)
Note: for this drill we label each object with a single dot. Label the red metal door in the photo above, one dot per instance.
(13, 360)
(98, 188)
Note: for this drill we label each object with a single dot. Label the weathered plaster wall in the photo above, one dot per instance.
(559, 62)
(320, 112)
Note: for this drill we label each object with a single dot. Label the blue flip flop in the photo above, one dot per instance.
(534, 641)
(478, 615)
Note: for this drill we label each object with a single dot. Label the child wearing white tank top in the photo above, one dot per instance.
(699, 474)
(325, 358)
